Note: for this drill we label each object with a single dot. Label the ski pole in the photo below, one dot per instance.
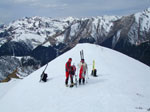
(76, 80)
(87, 77)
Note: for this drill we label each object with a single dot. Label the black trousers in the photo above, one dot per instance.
(71, 79)
(81, 80)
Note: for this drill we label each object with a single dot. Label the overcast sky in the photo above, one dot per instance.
(15, 9)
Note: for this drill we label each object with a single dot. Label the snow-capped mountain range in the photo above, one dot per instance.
(35, 30)
(36, 36)
(119, 87)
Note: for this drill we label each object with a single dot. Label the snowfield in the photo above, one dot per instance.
(122, 85)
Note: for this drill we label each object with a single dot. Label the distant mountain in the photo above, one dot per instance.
(36, 36)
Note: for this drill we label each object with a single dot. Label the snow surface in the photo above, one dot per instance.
(35, 30)
(36, 39)
(5, 87)
(122, 85)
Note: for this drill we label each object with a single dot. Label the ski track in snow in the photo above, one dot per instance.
(122, 85)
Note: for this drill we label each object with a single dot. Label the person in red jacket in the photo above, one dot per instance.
(68, 67)
(83, 70)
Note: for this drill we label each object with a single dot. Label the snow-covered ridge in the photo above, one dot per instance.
(141, 27)
(143, 17)
(38, 29)
(99, 28)
(121, 85)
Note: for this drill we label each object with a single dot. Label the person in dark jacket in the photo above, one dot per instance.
(72, 73)
(67, 66)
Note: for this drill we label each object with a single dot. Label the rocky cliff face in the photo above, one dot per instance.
(23, 65)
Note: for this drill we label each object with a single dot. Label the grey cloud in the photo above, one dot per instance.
(77, 8)
(48, 5)
(25, 1)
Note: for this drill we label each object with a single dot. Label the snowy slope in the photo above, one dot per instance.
(122, 85)
(5, 87)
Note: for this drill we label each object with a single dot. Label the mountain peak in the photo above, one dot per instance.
(148, 10)
(120, 80)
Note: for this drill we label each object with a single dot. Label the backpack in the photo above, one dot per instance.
(44, 77)
(72, 70)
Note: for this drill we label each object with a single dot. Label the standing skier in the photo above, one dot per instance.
(82, 72)
(68, 67)
(72, 73)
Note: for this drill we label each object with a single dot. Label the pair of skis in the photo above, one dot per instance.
(76, 81)
(81, 54)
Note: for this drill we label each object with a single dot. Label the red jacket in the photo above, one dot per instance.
(68, 65)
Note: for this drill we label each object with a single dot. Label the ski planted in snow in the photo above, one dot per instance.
(76, 81)
(81, 54)
(42, 75)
